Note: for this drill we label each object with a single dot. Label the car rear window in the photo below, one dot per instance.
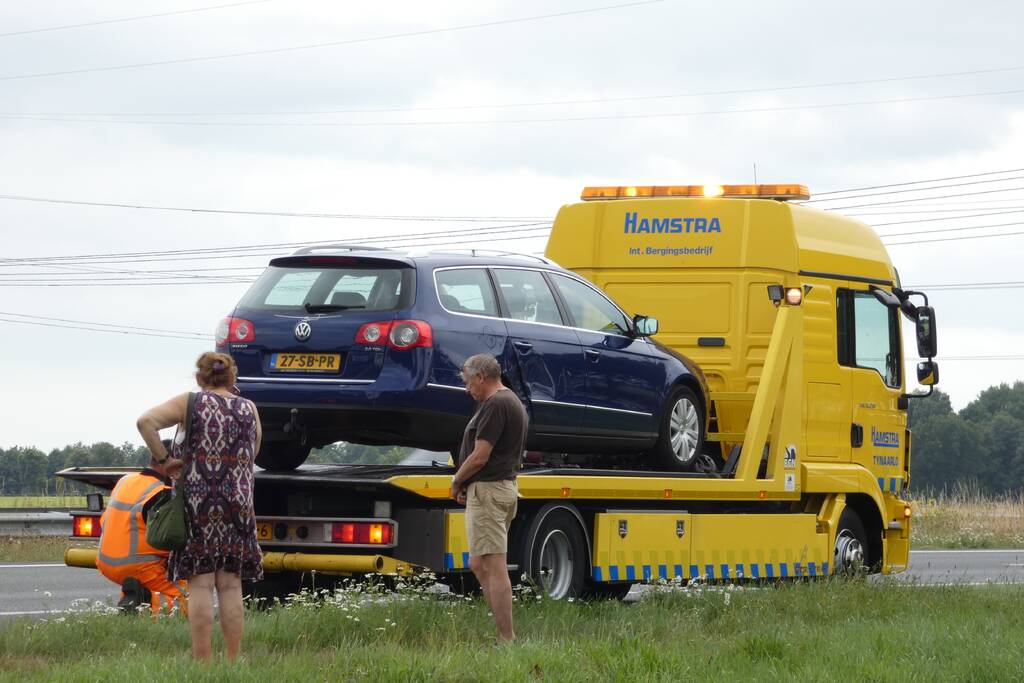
(367, 289)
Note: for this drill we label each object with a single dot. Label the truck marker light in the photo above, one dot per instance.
(794, 296)
(668, 493)
(362, 533)
(906, 511)
(565, 492)
(87, 526)
(762, 495)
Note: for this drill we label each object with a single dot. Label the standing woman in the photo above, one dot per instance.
(217, 466)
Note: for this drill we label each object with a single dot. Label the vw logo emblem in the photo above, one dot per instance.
(303, 330)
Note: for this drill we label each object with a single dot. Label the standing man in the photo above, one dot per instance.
(490, 455)
(124, 555)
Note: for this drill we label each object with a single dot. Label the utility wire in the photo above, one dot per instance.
(111, 331)
(87, 322)
(135, 18)
(916, 189)
(957, 229)
(918, 182)
(472, 122)
(918, 199)
(333, 43)
(519, 105)
(953, 239)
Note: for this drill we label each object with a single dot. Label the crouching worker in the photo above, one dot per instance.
(124, 556)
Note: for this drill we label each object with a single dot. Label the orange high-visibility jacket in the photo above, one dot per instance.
(123, 536)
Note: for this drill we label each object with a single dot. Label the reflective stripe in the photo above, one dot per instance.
(131, 559)
(134, 511)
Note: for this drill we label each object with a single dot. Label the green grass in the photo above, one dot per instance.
(968, 518)
(42, 502)
(821, 631)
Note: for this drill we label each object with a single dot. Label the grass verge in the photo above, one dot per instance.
(42, 502)
(966, 518)
(38, 548)
(820, 631)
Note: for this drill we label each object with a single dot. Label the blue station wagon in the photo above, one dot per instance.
(349, 343)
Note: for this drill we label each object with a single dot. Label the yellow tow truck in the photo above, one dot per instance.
(793, 314)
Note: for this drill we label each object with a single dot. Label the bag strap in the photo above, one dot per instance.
(189, 409)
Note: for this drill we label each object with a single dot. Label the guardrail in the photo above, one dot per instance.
(47, 523)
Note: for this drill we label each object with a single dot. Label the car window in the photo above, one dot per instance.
(371, 289)
(466, 290)
(591, 310)
(527, 296)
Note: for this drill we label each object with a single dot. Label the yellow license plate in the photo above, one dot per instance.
(306, 362)
(264, 531)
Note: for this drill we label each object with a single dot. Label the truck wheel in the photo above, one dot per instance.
(850, 557)
(281, 456)
(558, 557)
(681, 433)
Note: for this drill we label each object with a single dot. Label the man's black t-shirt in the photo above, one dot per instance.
(501, 420)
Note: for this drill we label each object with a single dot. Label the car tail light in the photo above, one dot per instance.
(362, 533)
(236, 331)
(85, 526)
(374, 334)
(408, 334)
(398, 334)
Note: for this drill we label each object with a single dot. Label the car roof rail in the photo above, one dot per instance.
(496, 252)
(337, 247)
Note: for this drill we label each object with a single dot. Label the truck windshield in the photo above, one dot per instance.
(323, 290)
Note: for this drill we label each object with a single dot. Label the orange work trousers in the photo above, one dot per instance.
(153, 576)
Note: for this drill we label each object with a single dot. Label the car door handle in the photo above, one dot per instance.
(523, 347)
(592, 355)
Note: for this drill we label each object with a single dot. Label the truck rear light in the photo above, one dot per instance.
(235, 331)
(374, 334)
(85, 526)
(408, 334)
(362, 533)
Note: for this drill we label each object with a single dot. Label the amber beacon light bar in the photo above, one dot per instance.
(781, 192)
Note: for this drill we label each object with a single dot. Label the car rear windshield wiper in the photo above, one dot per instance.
(327, 308)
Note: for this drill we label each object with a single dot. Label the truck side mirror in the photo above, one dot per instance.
(928, 373)
(645, 326)
(926, 342)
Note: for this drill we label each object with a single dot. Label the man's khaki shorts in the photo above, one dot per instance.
(490, 508)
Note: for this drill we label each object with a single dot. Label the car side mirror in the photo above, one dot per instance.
(928, 373)
(645, 326)
(925, 327)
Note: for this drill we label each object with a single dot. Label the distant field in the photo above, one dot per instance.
(42, 502)
(966, 519)
(822, 631)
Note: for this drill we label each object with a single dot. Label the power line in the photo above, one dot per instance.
(87, 322)
(947, 218)
(952, 239)
(957, 229)
(470, 122)
(94, 329)
(918, 199)
(333, 43)
(286, 214)
(517, 105)
(916, 189)
(135, 18)
(918, 182)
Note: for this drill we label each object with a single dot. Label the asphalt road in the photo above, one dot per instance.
(39, 589)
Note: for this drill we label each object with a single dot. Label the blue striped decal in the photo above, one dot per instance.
(892, 485)
(812, 569)
(678, 571)
(465, 560)
(725, 571)
(663, 571)
(754, 571)
(630, 572)
(783, 570)
(613, 573)
(798, 569)
(709, 571)
(694, 571)
(647, 572)
(739, 571)
(449, 561)
(824, 568)
(597, 574)
(769, 570)
(881, 483)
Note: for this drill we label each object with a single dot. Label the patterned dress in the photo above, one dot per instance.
(220, 521)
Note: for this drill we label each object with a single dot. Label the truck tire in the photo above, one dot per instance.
(680, 433)
(281, 456)
(851, 550)
(558, 562)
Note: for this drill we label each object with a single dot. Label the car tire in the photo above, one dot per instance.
(281, 456)
(680, 432)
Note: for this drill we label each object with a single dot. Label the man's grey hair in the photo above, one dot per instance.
(483, 364)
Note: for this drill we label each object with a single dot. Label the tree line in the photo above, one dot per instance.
(981, 446)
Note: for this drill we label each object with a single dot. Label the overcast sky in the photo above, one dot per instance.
(465, 109)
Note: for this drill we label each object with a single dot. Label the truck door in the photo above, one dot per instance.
(623, 376)
(870, 345)
(547, 352)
